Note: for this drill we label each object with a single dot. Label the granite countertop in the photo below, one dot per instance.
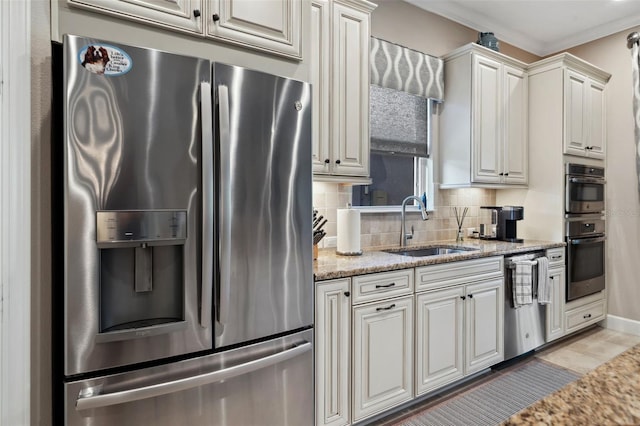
(331, 265)
(607, 395)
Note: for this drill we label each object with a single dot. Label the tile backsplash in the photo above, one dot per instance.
(383, 229)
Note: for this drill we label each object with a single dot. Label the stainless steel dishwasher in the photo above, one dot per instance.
(524, 327)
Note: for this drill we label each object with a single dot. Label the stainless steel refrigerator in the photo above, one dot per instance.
(186, 286)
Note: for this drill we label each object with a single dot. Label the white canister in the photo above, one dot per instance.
(348, 232)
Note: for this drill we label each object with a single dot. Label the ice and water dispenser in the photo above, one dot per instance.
(141, 272)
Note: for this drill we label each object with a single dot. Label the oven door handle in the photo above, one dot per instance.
(590, 240)
(587, 180)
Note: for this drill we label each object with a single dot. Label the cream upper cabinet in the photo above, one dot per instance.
(584, 115)
(568, 97)
(484, 120)
(333, 352)
(339, 58)
(178, 15)
(487, 129)
(516, 118)
(272, 26)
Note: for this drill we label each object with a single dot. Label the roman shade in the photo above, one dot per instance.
(407, 70)
(404, 83)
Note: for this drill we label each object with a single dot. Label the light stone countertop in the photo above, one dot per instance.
(331, 265)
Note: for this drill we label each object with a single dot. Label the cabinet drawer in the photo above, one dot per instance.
(462, 272)
(556, 256)
(584, 316)
(367, 288)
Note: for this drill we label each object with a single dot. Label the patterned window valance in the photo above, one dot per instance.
(400, 68)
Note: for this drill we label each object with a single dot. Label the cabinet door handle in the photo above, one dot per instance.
(387, 308)
(470, 296)
(347, 294)
(215, 17)
(463, 297)
(506, 174)
(196, 13)
(327, 161)
(587, 316)
(500, 174)
(385, 285)
(337, 161)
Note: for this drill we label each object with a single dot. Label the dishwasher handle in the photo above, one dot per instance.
(159, 389)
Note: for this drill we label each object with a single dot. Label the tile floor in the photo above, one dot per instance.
(586, 351)
(580, 353)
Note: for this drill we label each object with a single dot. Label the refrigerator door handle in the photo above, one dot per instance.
(121, 397)
(206, 289)
(225, 205)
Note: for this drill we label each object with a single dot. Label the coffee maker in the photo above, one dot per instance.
(508, 216)
(489, 223)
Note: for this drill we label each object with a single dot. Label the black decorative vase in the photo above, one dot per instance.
(489, 40)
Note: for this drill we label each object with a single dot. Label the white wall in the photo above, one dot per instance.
(623, 194)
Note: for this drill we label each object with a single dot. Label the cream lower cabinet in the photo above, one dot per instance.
(484, 322)
(585, 311)
(459, 320)
(379, 344)
(555, 327)
(333, 352)
(439, 338)
(459, 331)
(382, 356)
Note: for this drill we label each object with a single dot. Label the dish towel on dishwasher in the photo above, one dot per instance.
(544, 285)
(523, 283)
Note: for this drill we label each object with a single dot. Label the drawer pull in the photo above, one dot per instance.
(556, 257)
(347, 293)
(387, 308)
(587, 316)
(385, 285)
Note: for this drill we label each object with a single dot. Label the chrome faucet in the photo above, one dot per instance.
(423, 209)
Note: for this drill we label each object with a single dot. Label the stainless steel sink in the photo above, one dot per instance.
(430, 251)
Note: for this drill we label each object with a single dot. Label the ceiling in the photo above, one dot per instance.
(541, 27)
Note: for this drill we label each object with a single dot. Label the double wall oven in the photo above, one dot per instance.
(585, 229)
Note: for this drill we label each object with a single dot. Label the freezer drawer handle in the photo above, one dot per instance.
(152, 391)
